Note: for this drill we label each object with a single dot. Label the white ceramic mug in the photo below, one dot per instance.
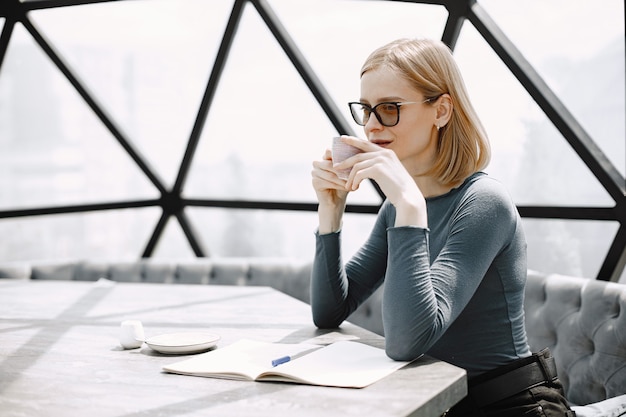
(131, 334)
(340, 152)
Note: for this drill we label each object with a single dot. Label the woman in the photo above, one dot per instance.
(448, 241)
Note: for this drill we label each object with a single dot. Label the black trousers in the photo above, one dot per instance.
(516, 390)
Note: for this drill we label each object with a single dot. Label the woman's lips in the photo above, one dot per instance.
(381, 142)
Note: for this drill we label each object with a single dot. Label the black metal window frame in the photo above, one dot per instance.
(173, 203)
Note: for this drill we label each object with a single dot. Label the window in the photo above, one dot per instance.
(181, 128)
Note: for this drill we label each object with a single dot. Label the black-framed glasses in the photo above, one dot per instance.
(387, 113)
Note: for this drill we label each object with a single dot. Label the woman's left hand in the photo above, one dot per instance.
(383, 166)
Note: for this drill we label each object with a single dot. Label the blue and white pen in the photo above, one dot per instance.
(285, 359)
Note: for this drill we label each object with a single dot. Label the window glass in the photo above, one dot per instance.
(257, 142)
(242, 233)
(336, 37)
(577, 46)
(173, 243)
(54, 150)
(104, 235)
(530, 156)
(568, 247)
(265, 126)
(271, 233)
(355, 230)
(147, 62)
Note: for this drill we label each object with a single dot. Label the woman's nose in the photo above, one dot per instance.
(373, 123)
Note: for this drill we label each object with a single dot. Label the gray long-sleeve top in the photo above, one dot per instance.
(453, 291)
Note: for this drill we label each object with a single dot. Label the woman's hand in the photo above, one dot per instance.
(383, 166)
(331, 194)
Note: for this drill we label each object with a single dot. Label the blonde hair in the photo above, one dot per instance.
(429, 66)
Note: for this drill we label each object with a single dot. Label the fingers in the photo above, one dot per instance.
(381, 166)
(362, 160)
(362, 144)
(362, 170)
(325, 177)
(330, 189)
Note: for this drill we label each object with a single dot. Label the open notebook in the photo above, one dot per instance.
(342, 364)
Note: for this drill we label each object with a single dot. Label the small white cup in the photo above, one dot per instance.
(340, 152)
(131, 334)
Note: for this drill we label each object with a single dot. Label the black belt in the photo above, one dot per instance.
(530, 375)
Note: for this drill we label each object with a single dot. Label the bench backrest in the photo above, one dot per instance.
(287, 275)
(583, 322)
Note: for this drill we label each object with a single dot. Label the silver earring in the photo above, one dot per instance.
(438, 127)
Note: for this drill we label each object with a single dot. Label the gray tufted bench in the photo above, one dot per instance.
(582, 321)
(286, 275)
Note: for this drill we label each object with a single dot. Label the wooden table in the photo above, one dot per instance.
(60, 355)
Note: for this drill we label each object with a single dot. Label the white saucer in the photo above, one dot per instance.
(183, 343)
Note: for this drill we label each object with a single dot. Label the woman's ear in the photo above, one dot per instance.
(444, 110)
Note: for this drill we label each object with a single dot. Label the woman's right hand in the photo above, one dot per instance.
(331, 194)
